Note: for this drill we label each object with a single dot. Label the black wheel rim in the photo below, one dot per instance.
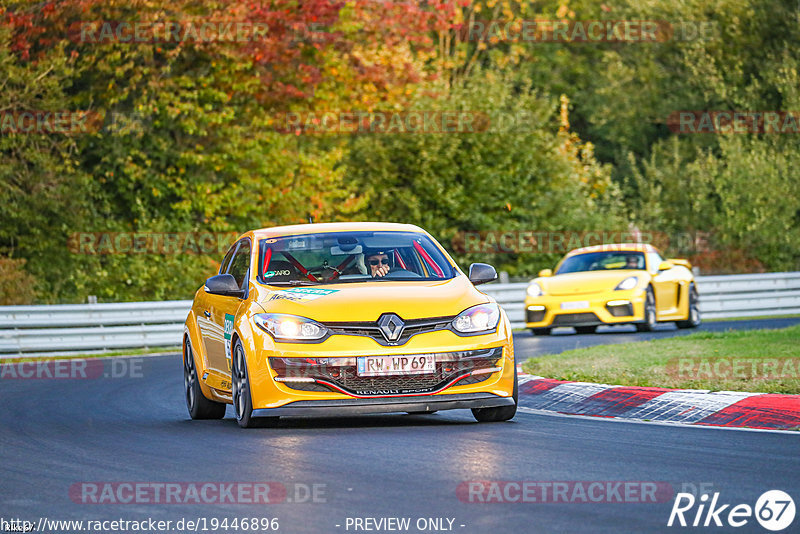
(239, 382)
(189, 376)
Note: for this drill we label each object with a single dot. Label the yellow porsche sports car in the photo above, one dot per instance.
(612, 284)
(346, 318)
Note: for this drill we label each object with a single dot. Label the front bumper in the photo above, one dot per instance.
(585, 310)
(324, 408)
(493, 378)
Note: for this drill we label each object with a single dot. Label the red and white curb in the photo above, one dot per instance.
(684, 406)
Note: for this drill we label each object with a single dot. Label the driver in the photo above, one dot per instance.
(378, 263)
(632, 262)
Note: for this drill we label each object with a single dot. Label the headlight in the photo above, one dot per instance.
(535, 290)
(285, 327)
(628, 283)
(480, 318)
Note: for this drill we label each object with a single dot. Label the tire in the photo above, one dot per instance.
(649, 313)
(499, 413)
(198, 405)
(240, 392)
(693, 320)
(585, 329)
(540, 331)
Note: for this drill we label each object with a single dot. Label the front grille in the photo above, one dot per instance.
(572, 319)
(343, 374)
(411, 328)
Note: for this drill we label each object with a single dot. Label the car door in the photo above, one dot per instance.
(665, 286)
(209, 334)
(220, 311)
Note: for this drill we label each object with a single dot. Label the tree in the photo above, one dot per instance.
(534, 176)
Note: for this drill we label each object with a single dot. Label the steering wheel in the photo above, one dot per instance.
(401, 273)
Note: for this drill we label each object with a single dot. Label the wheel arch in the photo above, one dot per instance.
(200, 365)
(191, 331)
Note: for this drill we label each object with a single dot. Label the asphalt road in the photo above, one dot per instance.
(131, 426)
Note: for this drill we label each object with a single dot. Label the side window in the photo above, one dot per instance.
(223, 268)
(240, 263)
(654, 259)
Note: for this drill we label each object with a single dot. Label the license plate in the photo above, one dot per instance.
(576, 305)
(396, 365)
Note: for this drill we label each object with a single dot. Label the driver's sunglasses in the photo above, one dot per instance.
(384, 261)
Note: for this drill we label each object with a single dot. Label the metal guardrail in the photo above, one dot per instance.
(727, 296)
(88, 328)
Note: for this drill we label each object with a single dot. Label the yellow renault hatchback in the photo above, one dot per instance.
(346, 318)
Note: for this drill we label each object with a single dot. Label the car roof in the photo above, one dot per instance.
(625, 247)
(318, 228)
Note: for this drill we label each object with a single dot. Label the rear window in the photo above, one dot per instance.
(343, 257)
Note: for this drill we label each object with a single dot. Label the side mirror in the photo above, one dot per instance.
(480, 273)
(546, 272)
(225, 285)
(665, 266)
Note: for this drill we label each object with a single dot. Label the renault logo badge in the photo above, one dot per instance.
(391, 326)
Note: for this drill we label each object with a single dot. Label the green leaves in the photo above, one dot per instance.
(528, 178)
(190, 138)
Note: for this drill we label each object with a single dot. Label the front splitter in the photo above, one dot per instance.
(327, 408)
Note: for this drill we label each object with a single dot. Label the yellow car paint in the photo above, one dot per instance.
(589, 292)
(356, 302)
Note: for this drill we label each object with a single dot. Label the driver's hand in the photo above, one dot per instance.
(383, 270)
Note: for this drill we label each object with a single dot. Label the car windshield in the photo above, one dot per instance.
(343, 257)
(602, 261)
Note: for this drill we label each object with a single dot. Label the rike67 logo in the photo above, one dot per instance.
(774, 510)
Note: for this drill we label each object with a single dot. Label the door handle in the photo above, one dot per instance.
(207, 313)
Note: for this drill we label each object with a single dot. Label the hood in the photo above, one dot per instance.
(367, 301)
(585, 283)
